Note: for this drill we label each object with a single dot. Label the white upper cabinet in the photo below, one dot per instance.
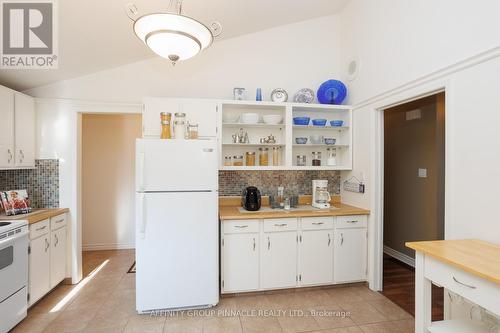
(24, 130)
(198, 111)
(17, 130)
(6, 128)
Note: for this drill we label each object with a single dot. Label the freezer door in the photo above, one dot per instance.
(176, 250)
(176, 165)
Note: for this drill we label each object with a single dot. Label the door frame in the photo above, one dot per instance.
(379, 107)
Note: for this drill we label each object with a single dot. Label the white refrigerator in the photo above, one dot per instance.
(177, 259)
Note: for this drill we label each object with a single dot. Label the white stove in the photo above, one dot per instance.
(13, 273)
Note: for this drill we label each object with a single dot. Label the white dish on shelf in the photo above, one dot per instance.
(229, 118)
(272, 119)
(249, 118)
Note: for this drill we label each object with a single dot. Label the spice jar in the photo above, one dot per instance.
(263, 156)
(180, 125)
(316, 158)
(227, 161)
(276, 155)
(192, 131)
(250, 158)
(238, 160)
(301, 160)
(165, 117)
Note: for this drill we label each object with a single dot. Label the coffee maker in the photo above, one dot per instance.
(320, 195)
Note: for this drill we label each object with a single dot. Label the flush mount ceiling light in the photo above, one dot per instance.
(172, 35)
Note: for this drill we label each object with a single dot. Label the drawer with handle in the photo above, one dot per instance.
(57, 222)
(351, 221)
(317, 223)
(287, 224)
(469, 286)
(240, 226)
(39, 228)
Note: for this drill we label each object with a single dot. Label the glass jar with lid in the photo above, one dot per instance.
(316, 158)
(165, 118)
(332, 156)
(301, 160)
(180, 125)
(192, 130)
(276, 155)
(263, 156)
(228, 161)
(250, 158)
(238, 160)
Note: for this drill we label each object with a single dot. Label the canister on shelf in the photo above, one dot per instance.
(263, 156)
(238, 160)
(250, 158)
(332, 156)
(276, 156)
(228, 161)
(192, 131)
(166, 118)
(180, 125)
(316, 158)
(301, 160)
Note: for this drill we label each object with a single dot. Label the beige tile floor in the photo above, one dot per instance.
(105, 302)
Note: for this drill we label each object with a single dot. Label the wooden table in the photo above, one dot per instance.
(469, 268)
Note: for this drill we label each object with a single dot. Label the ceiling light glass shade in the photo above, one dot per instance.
(173, 36)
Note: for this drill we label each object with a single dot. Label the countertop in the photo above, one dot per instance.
(36, 215)
(227, 212)
(474, 256)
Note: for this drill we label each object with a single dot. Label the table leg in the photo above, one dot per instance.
(423, 296)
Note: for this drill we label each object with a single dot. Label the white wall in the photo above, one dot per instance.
(398, 41)
(292, 57)
(408, 48)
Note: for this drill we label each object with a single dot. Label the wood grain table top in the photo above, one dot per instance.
(474, 256)
(36, 215)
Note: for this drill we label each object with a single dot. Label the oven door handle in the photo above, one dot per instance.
(9, 240)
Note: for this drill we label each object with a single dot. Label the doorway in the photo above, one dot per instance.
(108, 186)
(414, 182)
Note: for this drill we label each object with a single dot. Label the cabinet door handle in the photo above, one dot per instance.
(254, 244)
(21, 154)
(41, 228)
(59, 221)
(352, 221)
(47, 244)
(464, 284)
(318, 223)
(241, 226)
(268, 243)
(56, 239)
(280, 224)
(10, 155)
(329, 240)
(341, 239)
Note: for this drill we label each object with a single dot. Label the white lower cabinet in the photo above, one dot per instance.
(47, 256)
(287, 253)
(39, 262)
(240, 269)
(316, 257)
(350, 253)
(278, 262)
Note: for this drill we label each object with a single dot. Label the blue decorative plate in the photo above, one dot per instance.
(332, 92)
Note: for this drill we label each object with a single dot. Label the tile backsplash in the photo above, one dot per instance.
(42, 183)
(232, 183)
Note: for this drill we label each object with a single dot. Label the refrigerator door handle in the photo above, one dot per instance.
(142, 172)
(142, 228)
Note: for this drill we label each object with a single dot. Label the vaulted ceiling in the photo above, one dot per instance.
(95, 35)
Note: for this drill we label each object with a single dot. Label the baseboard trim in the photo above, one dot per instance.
(399, 256)
(109, 246)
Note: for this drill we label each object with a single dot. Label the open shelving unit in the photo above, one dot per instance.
(285, 134)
